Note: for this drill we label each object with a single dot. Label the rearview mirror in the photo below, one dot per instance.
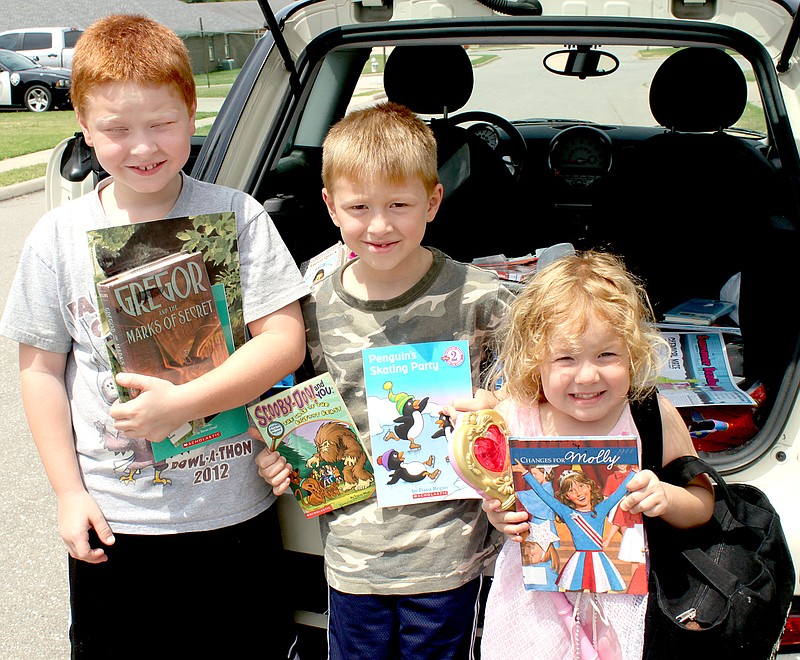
(581, 62)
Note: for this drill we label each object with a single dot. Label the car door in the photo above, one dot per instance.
(5, 88)
(39, 47)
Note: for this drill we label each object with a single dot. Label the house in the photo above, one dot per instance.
(219, 35)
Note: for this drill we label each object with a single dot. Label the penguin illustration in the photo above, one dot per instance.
(411, 472)
(445, 425)
(410, 423)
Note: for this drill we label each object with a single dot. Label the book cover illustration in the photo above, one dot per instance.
(311, 427)
(579, 539)
(325, 263)
(699, 311)
(163, 318)
(406, 388)
(171, 306)
(698, 373)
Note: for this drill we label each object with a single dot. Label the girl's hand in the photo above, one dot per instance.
(481, 400)
(646, 495)
(511, 523)
(272, 467)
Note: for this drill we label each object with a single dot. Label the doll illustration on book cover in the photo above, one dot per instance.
(571, 488)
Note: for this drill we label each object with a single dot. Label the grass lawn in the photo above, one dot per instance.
(27, 132)
(216, 84)
(22, 174)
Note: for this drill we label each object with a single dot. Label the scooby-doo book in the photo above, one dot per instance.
(171, 306)
(407, 387)
(311, 427)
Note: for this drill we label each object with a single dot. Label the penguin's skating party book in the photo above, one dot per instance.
(407, 387)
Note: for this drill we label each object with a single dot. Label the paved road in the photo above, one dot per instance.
(34, 610)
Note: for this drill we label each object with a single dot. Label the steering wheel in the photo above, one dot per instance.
(514, 152)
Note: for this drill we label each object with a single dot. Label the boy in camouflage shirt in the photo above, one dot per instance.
(418, 568)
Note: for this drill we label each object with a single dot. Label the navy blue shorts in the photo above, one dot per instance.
(438, 626)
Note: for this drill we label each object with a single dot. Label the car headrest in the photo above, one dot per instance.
(698, 90)
(405, 83)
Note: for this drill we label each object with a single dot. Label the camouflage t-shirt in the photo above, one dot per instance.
(418, 548)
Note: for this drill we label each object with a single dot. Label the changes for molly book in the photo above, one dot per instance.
(406, 388)
(311, 427)
(171, 307)
(579, 538)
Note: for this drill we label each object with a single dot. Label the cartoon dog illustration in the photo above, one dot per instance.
(317, 493)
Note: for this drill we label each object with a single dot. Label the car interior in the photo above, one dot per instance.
(689, 200)
(691, 195)
(688, 195)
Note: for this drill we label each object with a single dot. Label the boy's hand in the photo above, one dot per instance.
(77, 514)
(646, 494)
(511, 523)
(272, 467)
(153, 414)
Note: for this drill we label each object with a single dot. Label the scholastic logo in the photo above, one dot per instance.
(318, 512)
(197, 441)
(435, 493)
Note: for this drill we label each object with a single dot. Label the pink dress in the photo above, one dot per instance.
(526, 624)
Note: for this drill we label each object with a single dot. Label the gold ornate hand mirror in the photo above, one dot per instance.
(479, 454)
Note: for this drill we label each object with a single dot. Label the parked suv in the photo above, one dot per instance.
(663, 131)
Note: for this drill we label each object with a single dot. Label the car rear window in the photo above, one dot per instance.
(71, 38)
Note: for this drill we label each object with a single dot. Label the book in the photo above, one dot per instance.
(579, 538)
(698, 373)
(162, 318)
(171, 307)
(310, 426)
(693, 327)
(516, 270)
(325, 263)
(699, 311)
(406, 388)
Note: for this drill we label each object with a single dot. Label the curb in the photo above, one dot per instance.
(21, 188)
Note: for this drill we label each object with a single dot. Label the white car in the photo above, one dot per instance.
(50, 47)
(664, 131)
